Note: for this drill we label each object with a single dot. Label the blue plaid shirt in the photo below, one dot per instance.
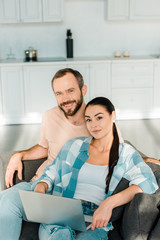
(63, 172)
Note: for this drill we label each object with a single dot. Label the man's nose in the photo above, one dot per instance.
(65, 97)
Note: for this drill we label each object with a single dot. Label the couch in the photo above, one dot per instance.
(137, 220)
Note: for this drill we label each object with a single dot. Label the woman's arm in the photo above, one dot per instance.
(103, 214)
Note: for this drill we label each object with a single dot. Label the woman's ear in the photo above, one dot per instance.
(114, 116)
(84, 90)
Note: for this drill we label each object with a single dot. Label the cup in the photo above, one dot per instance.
(126, 54)
(117, 53)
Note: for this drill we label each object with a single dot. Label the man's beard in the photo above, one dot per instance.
(71, 112)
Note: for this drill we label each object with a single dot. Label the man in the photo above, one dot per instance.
(59, 124)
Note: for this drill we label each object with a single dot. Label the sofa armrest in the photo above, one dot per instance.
(29, 168)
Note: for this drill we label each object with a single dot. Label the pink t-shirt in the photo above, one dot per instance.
(56, 130)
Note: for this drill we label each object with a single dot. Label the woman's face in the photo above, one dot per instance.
(99, 122)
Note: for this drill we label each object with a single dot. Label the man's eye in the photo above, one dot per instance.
(58, 94)
(88, 120)
(70, 90)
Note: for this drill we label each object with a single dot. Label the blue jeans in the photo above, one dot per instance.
(54, 232)
(12, 212)
(49, 232)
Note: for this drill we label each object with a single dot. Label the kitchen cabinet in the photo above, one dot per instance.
(100, 80)
(39, 95)
(132, 88)
(1, 116)
(132, 9)
(117, 9)
(83, 68)
(9, 11)
(52, 10)
(132, 85)
(15, 11)
(30, 11)
(12, 93)
(157, 87)
(144, 9)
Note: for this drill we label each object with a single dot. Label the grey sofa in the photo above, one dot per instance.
(137, 220)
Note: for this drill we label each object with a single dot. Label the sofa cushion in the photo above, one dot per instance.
(155, 233)
(140, 216)
(118, 211)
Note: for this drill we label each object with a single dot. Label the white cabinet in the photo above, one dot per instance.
(100, 80)
(39, 95)
(0, 98)
(12, 94)
(84, 70)
(132, 9)
(15, 11)
(144, 9)
(9, 11)
(117, 9)
(157, 88)
(52, 10)
(30, 11)
(132, 89)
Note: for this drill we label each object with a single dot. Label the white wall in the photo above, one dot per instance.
(93, 35)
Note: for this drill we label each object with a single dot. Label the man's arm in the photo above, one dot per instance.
(152, 160)
(15, 162)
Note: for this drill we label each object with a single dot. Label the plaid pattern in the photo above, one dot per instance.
(63, 172)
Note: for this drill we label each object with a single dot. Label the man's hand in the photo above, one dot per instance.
(15, 164)
(152, 160)
(41, 187)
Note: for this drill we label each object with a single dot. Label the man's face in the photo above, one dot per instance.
(68, 94)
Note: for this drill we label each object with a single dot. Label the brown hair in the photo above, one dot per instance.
(63, 72)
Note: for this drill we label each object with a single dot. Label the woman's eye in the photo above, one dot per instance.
(88, 120)
(99, 118)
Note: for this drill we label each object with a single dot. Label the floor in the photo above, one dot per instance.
(144, 134)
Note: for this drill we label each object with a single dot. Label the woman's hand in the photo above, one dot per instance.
(41, 187)
(102, 215)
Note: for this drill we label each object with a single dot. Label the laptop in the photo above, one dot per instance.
(50, 209)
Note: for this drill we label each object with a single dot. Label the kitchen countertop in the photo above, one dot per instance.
(78, 59)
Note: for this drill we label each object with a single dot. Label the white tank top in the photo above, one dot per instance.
(91, 183)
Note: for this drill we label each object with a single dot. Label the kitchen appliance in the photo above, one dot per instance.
(30, 54)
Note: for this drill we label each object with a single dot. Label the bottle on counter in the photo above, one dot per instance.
(69, 44)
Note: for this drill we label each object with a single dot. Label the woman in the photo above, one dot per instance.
(90, 169)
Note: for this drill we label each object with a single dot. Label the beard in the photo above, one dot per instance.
(71, 112)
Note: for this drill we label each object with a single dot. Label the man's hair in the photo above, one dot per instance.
(64, 71)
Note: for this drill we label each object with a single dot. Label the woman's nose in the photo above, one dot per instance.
(93, 124)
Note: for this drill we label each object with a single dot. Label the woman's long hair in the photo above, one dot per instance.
(114, 151)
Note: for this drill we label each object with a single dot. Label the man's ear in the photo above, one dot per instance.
(114, 116)
(84, 90)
